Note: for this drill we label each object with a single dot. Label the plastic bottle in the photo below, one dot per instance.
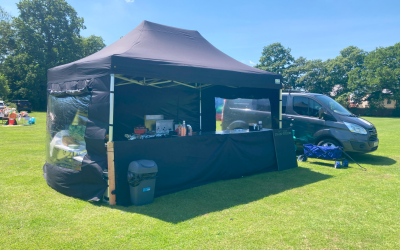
(259, 125)
(183, 130)
(180, 130)
(190, 131)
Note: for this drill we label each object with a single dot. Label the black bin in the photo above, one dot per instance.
(142, 181)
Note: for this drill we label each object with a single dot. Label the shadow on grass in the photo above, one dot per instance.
(326, 164)
(217, 196)
(361, 159)
(372, 159)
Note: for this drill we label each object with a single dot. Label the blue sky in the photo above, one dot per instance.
(313, 29)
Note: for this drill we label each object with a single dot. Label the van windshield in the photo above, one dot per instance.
(333, 105)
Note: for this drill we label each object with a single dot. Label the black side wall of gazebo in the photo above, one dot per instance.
(89, 183)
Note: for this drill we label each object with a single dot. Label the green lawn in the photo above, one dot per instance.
(314, 206)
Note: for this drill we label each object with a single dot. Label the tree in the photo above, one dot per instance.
(49, 30)
(379, 78)
(4, 89)
(315, 80)
(277, 59)
(295, 72)
(373, 76)
(6, 35)
(350, 59)
(46, 34)
(92, 44)
(6, 45)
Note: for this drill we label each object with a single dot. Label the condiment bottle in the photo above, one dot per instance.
(190, 131)
(180, 129)
(183, 130)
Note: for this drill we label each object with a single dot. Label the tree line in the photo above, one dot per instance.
(45, 34)
(366, 76)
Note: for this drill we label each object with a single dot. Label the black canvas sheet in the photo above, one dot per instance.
(186, 162)
(87, 184)
(158, 51)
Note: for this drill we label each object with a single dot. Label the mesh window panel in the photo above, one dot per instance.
(66, 126)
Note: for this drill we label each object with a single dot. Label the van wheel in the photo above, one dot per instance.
(302, 158)
(238, 125)
(329, 143)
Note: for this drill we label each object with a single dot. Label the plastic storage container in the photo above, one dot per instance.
(142, 181)
(164, 126)
(140, 130)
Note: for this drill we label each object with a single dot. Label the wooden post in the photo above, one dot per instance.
(111, 173)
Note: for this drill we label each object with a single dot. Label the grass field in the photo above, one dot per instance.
(312, 207)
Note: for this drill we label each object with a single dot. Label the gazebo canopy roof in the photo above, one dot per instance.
(161, 52)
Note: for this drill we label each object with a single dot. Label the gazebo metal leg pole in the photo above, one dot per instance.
(200, 107)
(280, 108)
(110, 147)
(111, 119)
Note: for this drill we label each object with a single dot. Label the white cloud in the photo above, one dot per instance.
(252, 62)
(129, 1)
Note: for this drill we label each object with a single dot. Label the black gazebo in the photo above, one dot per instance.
(155, 69)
